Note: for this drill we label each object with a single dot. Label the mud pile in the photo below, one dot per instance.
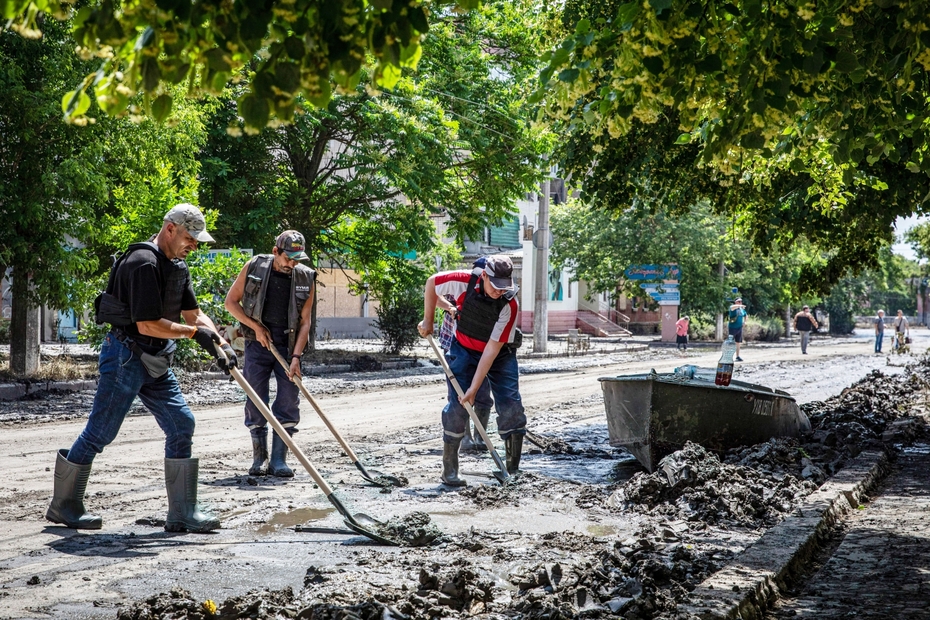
(692, 484)
(413, 530)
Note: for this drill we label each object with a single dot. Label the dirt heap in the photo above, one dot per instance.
(692, 484)
(413, 530)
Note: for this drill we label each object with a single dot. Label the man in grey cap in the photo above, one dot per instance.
(272, 298)
(483, 347)
(148, 293)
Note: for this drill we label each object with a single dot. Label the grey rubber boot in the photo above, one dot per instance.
(514, 447)
(450, 464)
(277, 466)
(259, 452)
(67, 505)
(474, 443)
(183, 512)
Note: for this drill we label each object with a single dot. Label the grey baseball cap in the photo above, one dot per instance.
(292, 243)
(499, 269)
(191, 219)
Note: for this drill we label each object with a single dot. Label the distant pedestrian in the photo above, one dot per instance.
(735, 325)
(901, 330)
(681, 332)
(804, 322)
(879, 330)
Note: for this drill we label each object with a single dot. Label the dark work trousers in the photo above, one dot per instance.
(505, 386)
(260, 364)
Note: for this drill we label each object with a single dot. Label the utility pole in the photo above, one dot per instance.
(541, 271)
(722, 270)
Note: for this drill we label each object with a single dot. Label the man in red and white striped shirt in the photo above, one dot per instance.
(485, 327)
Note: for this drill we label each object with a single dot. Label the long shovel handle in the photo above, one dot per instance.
(342, 442)
(347, 516)
(471, 411)
(316, 407)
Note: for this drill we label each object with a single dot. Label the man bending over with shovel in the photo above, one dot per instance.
(487, 313)
(272, 298)
(148, 293)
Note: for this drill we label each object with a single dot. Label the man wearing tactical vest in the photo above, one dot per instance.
(272, 299)
(482, 348)
(148, 293)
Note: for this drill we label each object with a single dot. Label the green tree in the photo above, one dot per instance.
(300, 47)
(51, 186)
(801, 119)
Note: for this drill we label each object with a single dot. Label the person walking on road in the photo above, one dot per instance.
(879, 330)
(681, 332)
(737, 316)
(272, 298)
(804, 322)
(148, 293)
(487, 314)
(901, 330)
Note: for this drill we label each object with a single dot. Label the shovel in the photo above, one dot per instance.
(501, 475)
(359, 522)
(386, 480)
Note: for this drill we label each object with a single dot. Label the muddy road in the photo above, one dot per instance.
(499, 544)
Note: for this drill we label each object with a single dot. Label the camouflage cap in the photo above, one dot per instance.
(191, 219)
(499, 269)
(292, 243)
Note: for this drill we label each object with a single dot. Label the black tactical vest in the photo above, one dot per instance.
(256, 286)
(479, 313)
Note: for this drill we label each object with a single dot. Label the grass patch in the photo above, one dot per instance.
(58, 368)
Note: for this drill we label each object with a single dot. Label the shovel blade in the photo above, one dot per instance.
(358, 529)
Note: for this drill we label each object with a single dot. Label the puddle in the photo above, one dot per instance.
(293, 517)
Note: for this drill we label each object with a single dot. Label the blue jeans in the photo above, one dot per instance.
(260, 364)
(504, 378)
(122, 378)
(878, 342)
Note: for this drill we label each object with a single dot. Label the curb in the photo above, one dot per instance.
(15, 391)
(744, 589)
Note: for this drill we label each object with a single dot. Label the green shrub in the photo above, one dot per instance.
(702, 328)
(762, 328)
(397, 320)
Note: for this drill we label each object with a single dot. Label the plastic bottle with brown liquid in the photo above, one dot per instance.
(725, 364)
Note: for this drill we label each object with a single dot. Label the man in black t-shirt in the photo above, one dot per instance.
(148, 294)
(272, 298)
(804, 322)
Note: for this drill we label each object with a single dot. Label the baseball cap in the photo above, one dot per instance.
(806, 308)
(190, 218)
(499, 270)
(292, 243)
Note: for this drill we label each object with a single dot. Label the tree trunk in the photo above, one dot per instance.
(24, 329)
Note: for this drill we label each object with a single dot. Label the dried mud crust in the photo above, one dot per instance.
(696, 512)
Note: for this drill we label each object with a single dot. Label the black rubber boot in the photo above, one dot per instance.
(67, 505)
(259, 452)
(474, 443)
(277, 466)
(450, 464)
(183, 512)
(514, 447)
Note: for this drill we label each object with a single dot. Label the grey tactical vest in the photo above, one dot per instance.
(256, 286)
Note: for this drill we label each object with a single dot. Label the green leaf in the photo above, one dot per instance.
(216, 61)
(583, 26)
(628, 12)
(161, 107)
(568, 75)
(813, 62)
(254, 110)
(75, 103)
(660, 5)
(684, 138)
(294, 46)
(383, 5)
(752, 140)
(912, 167)
(846, 62)
(151, 74)
(417, 16)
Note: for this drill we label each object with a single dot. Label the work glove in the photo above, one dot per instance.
(207, 339)
(231, 360)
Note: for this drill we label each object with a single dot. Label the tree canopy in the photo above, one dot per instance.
(296, 47)
(799, 118)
